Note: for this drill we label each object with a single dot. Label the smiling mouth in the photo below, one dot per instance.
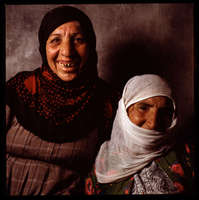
(68, 67)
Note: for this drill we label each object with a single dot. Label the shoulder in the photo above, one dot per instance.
(108, 98)
(92, 186)
(17, 85)
(20, 77)
(13, 84)
(178, 165)
(108, 94)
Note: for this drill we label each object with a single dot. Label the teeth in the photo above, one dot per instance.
(66, 65)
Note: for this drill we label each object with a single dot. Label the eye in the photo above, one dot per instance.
(166, 112)
(79, 40)
(143, 107)
(55, 40)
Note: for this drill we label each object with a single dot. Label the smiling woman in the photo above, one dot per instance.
(67, 51)
(56, 113)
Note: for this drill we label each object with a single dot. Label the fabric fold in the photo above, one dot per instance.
(131, 147)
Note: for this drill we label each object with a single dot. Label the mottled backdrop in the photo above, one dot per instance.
(131, 39)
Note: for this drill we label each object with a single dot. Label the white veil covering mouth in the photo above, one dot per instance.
(131, 147)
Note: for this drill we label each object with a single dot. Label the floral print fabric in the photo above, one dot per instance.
(153, 180)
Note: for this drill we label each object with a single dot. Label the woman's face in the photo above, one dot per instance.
(67, 51)
(154, 113)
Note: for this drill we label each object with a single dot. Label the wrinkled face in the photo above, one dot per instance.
(67, 51)
(154, 113)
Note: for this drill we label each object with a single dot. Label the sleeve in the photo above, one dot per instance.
(10, 99)
(90, 183)
(8, 117)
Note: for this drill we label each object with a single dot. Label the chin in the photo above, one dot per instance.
(67, 77)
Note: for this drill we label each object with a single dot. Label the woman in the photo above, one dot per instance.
(140, 158)
(55, 114)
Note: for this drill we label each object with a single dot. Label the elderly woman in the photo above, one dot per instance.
(140, 158)
(55, 114)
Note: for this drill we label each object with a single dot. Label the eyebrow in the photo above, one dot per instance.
(58, 34)
(146, 104)
(150, 105)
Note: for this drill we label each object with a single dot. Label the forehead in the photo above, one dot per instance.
(72, 26)
(160, 101)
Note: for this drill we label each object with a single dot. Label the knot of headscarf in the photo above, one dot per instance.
(131, 147)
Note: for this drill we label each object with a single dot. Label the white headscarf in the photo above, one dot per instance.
(131, 147)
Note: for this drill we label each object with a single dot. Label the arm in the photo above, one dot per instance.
(9, 117)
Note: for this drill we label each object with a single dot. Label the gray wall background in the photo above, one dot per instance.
(131, 39)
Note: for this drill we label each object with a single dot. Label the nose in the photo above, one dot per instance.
(152, 120)
(67, 48)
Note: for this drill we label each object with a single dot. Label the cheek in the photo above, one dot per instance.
(138, 120)
(84, 53)
(136, 117)
(51, 53)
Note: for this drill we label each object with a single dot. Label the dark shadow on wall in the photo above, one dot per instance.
(142, 56)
